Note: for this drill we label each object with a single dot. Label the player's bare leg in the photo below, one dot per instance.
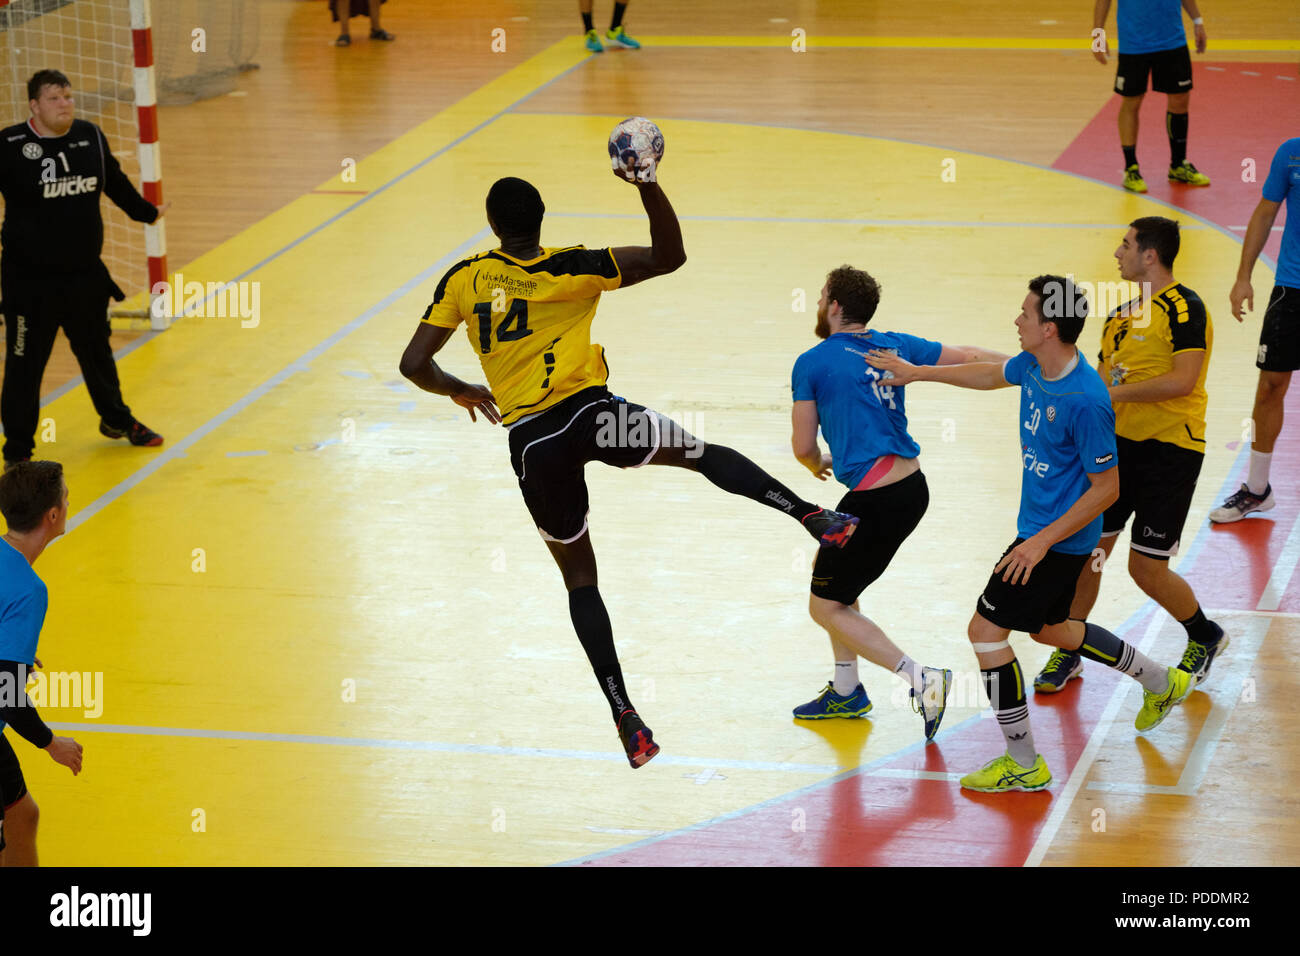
(1268, 411)
(852, 633)
(20, 833)
(377, 31)
(577, 562)
(1129, 108)
(733, 472)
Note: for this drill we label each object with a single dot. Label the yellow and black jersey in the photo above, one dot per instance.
(1139, 343)
(530, 322)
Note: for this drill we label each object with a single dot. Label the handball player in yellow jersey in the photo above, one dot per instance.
(527, 312)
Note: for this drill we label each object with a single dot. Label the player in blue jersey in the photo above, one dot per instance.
(1151, 41)
(34, 502)
(1279, 339)
(1067, 438)
(872, 454)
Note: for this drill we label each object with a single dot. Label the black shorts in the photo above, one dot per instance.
(1279, 339)
(889, 515)
(1045, 600)
(12, 785)
(1171, 72)
(548, 454)
(1156, 484)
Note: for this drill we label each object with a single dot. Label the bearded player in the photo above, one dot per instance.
(528, 312)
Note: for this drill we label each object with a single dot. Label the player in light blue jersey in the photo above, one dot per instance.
(1069, 477)
(1279, 339)
(871, 453)
(1152, 43)
(34, 502)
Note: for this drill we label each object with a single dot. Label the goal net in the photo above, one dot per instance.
(199, 48)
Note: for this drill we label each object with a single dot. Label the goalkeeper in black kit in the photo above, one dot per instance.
(53, 169)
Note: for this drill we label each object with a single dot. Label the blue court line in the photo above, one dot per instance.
(433, 746)
(963, 152)
(300, 364)
(949, 224)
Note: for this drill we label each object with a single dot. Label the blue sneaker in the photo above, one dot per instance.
(617, 37)
(831, 704)
(933, 701)
(593, 42)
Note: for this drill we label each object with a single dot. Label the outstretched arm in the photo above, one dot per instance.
(980, 375)
(962, 354)
(665, 253)
(418, 365)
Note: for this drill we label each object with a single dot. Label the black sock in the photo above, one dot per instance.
(587, 25)
(618, 15)
(1176, 125)
(1005, 687)
(1201, 630)
(591, 621)
(1130, 156)
(731, 471)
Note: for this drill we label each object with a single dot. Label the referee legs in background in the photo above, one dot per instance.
(33, 313)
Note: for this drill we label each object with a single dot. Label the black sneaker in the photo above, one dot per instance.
(1242, 503)
(637, 739)
(1057, 672)
(831, 528)
(1198, 657)
(138, 434)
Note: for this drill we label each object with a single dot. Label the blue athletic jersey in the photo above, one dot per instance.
(1283, 185)
(1067, 431)
(1149, 26)
(23, 599)
(861, 416)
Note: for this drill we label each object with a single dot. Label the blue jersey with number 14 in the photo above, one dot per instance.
(862, 416)
(1067, 432)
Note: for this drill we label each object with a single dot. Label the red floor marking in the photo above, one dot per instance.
(1232, 118)
(877, 821)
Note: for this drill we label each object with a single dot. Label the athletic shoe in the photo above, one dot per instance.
(1002, 774)
(1133, 180)
(1059, 670)
(1198, 657)
(933, 699)
(637, 739)
(831, 528)
(1242, 503)
(138, 434)
(831, 704)
(381, 35)
(1156, 707)
(1188, 175)
(617, 37)
(593, 42)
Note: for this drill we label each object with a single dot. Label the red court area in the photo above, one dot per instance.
(1240, 113)
(888, 814)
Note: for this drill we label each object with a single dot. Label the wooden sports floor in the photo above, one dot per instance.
(327, 630)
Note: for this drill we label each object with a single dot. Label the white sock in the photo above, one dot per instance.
(1257, 480)
(910, 671)
(846, 677)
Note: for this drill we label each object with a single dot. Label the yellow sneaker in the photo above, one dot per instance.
(1156, 707)
(1188, 175)
(1002, 774)
(1133, 180)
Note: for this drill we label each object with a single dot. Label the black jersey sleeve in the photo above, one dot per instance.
(118, 187)
(20, 714)
(1187, 326)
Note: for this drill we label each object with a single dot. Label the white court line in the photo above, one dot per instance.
(1283, 569)
(916, 775)
(1061, 805)
(1237, 664)
(432, 746)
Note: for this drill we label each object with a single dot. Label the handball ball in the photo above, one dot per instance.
(635, 148)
